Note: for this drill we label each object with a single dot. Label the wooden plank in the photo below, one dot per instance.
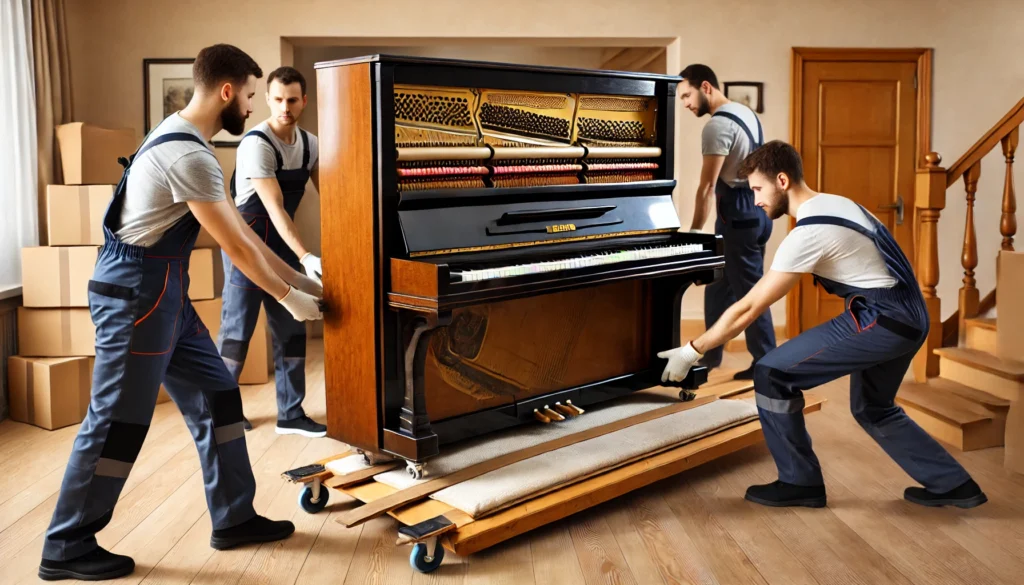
(986, 362)
(340, 481)
(378, 508)
(556, 505)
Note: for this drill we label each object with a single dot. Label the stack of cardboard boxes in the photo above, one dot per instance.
(51, 377)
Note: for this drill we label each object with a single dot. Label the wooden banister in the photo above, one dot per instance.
(953, 331)
(1011, 121)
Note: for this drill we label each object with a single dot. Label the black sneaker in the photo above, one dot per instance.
(967, 495)
(303, 425)
(747, 374)
(259, 529)
(98, 565)
(781, 494)
(246, 424)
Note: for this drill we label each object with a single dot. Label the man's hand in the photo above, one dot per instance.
(311, 264)
(302, 306)
(680, 360)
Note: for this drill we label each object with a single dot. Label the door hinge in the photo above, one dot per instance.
(915, 81)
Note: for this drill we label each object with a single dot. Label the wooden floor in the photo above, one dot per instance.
(692, 528)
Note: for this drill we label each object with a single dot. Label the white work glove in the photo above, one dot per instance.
(302, 306)
(312, 266)
(680, 360)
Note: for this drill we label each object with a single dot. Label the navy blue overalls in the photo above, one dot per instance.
(745, 229)
(242, 297)
(874, 341)
(147, 333)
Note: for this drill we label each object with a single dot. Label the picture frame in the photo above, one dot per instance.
(748, 93)
(166, 88)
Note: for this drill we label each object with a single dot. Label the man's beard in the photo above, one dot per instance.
(780, 208)
(232, 119)
(704, 105)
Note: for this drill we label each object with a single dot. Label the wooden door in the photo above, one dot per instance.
(857, 131)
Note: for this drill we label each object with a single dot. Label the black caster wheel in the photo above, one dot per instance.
(687, 395)
(306, 499)
(421, 561)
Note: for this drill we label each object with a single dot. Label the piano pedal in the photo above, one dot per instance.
(568, 411)
(537, 415)
(552, 414)
(571, 405)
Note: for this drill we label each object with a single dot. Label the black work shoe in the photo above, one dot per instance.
(259, 529)
(781, 494)
(246, 424)
(967, 495)
(747, 374)
(303, 425)
(98, 565)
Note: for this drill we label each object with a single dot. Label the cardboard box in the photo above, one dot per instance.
(259, 362)
(88, 154)
(205, 274)
(55, 333)
(57, 277)
(49, 392)
(205, 240)
(1010, 325)
(74, 215)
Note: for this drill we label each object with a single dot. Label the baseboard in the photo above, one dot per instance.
(692, 328)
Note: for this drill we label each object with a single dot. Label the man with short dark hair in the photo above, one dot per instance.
(274, 162)
(148, 333)
(852, 255)
(730, 135)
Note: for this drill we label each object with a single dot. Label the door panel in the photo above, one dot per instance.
(858, 139)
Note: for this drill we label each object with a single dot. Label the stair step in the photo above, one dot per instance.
(988, 323)
(951, 418)
(989, 401)
(981, 335)
(984, 361)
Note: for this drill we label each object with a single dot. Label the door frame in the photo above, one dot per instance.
(921, 57)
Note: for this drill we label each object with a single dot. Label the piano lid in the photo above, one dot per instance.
(448, 230)
(448, 62)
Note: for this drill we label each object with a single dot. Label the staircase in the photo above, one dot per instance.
(964, 394)
(967, 405)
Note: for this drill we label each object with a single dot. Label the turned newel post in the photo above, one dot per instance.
(930, 200)
(1008, 222)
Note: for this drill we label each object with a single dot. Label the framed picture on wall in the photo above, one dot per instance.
(748, 93)
(167, 88)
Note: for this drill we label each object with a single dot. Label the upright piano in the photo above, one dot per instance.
(500, 246)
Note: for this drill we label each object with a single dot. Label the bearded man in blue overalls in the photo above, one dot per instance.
(148, 333)
(852, 255)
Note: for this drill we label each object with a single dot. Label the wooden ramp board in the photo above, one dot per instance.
(473, 535)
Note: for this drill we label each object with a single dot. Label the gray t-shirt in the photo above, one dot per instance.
(255, 159)
(163, 179)
(722, 136)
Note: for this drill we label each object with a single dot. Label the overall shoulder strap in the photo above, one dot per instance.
(735, 118)
(305, 148)
(169, 137)
(277, 154)
(833, 220)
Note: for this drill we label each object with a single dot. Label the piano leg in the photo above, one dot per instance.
(414, 440)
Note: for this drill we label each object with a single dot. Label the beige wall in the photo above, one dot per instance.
(978, 72)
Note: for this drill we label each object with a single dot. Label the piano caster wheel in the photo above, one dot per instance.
(415, 470)
(687, 395)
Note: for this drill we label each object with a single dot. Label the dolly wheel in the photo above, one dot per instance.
(421, 561)
(687, 395)
(306, 500)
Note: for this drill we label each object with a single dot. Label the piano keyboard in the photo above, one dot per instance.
(578, 262)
